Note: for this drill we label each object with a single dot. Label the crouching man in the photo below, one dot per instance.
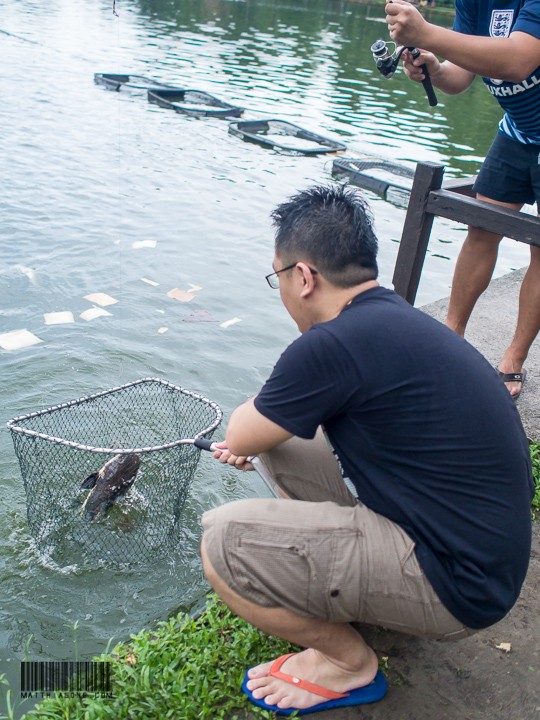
(402, 461)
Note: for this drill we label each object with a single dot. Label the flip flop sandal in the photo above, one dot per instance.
(376, 690)
(514, 377)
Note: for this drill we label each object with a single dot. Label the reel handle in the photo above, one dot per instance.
(426, 82)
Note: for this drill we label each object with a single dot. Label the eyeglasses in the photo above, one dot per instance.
(273, 278)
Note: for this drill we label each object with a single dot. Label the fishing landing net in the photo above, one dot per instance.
(153, 422)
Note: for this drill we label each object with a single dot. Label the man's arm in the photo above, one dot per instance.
(250, 433)
(512, 58)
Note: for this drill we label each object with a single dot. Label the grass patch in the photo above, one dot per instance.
(188, 668)
(535, 458)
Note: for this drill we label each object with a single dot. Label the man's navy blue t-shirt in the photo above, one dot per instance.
(428, 434)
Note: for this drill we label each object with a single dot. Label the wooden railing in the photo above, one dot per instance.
(454, 200)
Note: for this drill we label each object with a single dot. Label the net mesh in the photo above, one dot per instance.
(60, 447)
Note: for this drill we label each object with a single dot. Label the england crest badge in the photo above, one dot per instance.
(501, 23)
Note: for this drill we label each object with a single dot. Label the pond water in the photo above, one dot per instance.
(106, 193)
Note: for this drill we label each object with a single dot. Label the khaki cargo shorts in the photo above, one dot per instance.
(321, 553)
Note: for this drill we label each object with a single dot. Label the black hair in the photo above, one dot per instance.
(330, 227)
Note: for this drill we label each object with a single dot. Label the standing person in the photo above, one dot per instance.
(403, 464)
(500, 41)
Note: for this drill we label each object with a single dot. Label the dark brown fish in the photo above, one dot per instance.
(112, 481)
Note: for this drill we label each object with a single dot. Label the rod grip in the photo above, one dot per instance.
(428, 87)
(426, 82)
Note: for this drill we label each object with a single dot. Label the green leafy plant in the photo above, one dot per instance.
(534, 447)
(189, 668)
(9, 705)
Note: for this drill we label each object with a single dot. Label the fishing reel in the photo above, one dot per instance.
(387, 63)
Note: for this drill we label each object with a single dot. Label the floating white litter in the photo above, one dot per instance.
(162, 330)
(93, 312)
(181, 295)
(29, 272)
(101, 299)
(138, 244)
(150, 282)
(194, 288)
(17, 339)
(230, 322)
(58, 318)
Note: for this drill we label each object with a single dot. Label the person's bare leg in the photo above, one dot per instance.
(474, 268)
(528, 322)
(336, 657)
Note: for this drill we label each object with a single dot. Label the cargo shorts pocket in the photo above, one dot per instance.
(277, 566)
(395, 587)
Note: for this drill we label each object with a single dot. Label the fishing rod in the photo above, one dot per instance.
(387, 63)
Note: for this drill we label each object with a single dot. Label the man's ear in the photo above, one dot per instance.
(308, 279)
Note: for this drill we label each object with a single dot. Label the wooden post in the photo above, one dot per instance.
(416, 231)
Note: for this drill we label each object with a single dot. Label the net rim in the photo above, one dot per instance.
(14, 427)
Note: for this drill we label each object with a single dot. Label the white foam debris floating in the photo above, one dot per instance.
(93, 312)
(17, 339)
(230, 322)
(180, 295)
(138, 244)
(29, 272)
(58, 318)
(153, 283)
(101, 298)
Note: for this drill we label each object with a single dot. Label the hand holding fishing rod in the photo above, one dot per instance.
(387, 64)
(406, 26)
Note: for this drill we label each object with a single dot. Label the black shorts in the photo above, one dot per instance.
(511, 172)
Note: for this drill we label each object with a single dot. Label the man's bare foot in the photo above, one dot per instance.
(314, 667)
